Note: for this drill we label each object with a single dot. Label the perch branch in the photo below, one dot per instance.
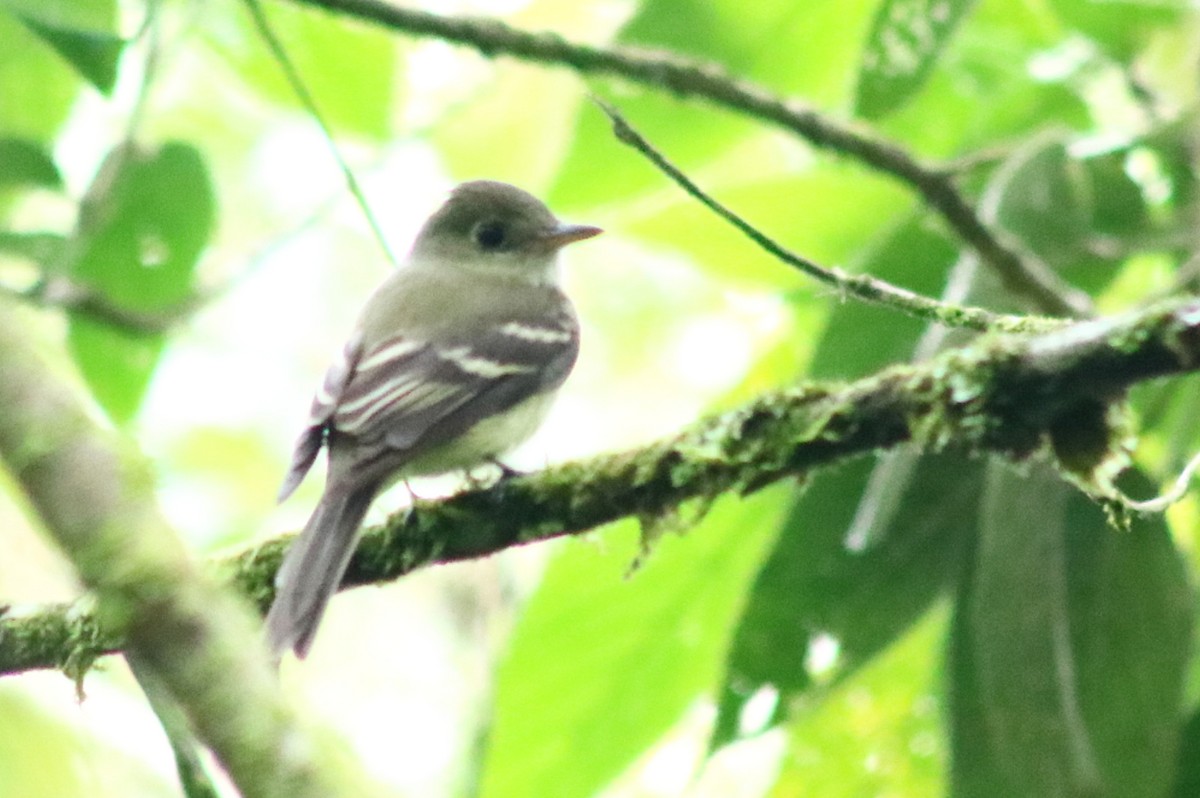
(1002, 394)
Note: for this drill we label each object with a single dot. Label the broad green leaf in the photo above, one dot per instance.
(1167, 413)
(1039, 197)
(26, 163)
(519, 118)
(812, 586)
(981, 94)
(524, 147)
(875, 733)
(1187, 777)
(94, 16)
(597, 169)
(142, 227)
(906, 39)
(760, 41)
(37, 86)
(804, 50)
(1121, 27)
(1078, 215)
(351, 70)
(825, 214)
(34, 750)
(604, 661)
(95, 55)
(860, 338)
(974, 768)
(1069, 648)
(52, 752)
(813, 589)
(116, 363)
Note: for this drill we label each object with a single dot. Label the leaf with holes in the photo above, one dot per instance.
(142, 226)
(906, 38)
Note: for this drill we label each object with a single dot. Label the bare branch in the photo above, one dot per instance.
(84, 301)
(862, 286)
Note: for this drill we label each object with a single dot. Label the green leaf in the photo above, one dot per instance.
(34, 744)
(840, 205)
(351, 70)
(1079, 215)
(603, 662)
(524, 147)
(912, 255)
(760, 41)
(1187, 777)
(25, 162)
(1121, 27)
(981, 95)
(95, 55)
(580, 184)
(41, 248)
(1069, 648)
(1040, 197)
(906, 39)
(875, 733)
(81, 15)
(812, 584)
(37, 87)
(143, 225)
(813, 588)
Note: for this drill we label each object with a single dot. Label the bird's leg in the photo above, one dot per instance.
(478, 480)
(413, 499)
(506, 471)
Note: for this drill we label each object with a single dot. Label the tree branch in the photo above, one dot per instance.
(861, 286)
(96, 499)
(84, 301)
(1021, 274)
(1004, 394)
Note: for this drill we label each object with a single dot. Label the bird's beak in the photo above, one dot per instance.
(564, 234)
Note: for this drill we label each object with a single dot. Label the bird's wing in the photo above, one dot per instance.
(404, 396)
(408, 397)
(337, 377)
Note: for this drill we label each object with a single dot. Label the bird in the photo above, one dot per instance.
(453, 362)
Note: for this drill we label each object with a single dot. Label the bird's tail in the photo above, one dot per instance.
(314, 566)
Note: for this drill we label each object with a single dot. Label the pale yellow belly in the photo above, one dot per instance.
(488, 439)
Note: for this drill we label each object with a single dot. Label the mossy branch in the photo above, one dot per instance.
(1005, 394)
(96, 499)
(1023, 275)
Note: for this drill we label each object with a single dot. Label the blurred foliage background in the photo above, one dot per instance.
(177, 224)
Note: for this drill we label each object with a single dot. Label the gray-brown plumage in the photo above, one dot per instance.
(453, 362)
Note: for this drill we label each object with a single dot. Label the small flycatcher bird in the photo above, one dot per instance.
(453, 362)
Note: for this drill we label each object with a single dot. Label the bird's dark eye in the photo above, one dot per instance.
(490, 235)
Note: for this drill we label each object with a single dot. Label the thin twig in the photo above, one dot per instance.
(862, 286)
(83, 301)
(685, 78)
(1160, 503)
(292, 75)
